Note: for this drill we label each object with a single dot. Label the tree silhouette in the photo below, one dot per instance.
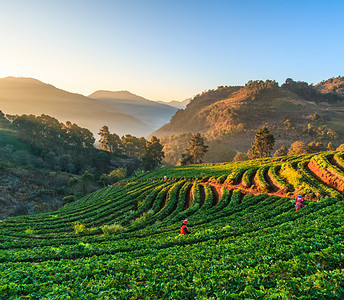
(262, 145)
(104, 138)
(153, 155)
(195, 151)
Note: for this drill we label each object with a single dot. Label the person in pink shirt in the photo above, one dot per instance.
(298, 202)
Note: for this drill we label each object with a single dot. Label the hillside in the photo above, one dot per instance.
(332, 85)
(25, 191)
(177, 104)
(31, 96)
(234, 114)
(247, 240)
(152, 113)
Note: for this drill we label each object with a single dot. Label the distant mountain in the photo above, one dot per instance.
(177, 104)
(120, 111)
(293, 111)
(152, 113)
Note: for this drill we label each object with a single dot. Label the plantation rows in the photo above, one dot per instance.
(311, 176)
(124, 242)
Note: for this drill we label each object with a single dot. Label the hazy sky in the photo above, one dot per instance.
(170, 50)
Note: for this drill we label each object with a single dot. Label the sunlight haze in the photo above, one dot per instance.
(169, 50)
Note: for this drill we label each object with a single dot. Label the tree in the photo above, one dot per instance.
(297, 147)
(153, 155)
(262, 145)
(66, 163)
(86, 181)
(117, 174)
(195, 151)
(104, 138)
(133, 146)
(114, 143)
(52, 160)
(283, 151)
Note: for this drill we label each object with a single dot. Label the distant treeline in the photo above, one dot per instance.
(70, 148)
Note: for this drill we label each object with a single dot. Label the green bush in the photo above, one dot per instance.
(29, 231)
(112, 229)
(79, 228)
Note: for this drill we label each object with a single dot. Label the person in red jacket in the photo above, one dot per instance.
(298, 203)
(184, 229)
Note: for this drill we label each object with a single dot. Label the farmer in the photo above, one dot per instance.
(183, 228)
(298, 202)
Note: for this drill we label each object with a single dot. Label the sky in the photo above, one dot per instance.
(169, 50)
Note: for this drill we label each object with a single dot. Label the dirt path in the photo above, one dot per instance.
(326, 177)
(189, 197)
(216, 194)
(272, 188)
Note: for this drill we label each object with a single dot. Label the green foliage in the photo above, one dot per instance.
(242, 246)
(153, 154)
(79, 228)
(116, 175)
(68, 199)
(112, 229)
(262, 145)
(308, 92)
(29, 231)
(195, 151)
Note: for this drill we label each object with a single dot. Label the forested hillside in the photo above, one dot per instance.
(45, 163)
(293, 111)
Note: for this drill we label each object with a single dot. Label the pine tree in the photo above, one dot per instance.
(104, 138)
(153, 155)
(195, 151)
(263, 144)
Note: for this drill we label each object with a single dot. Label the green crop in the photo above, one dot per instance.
(124, 242)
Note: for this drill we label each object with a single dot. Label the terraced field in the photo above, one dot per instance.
(247, 240)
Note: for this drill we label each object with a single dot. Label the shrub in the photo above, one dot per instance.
(29, 231)
(112, 229)
(79, 228)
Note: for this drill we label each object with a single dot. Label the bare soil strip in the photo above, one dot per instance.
(163, 202)
(189, 198)
(272, 188)
(216, 194)
(326, 177)
(201, 188)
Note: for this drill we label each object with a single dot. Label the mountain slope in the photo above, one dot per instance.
(235, 113)
(177, 104)
(31, 96)
(152, 113)
(332, 85)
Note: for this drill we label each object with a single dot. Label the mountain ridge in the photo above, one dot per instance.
(235, 113)
(25, 95)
